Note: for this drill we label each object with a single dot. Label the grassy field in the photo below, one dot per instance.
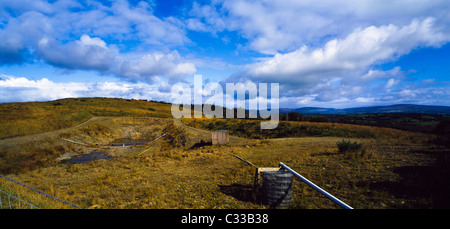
(390, 169)
(21, 119)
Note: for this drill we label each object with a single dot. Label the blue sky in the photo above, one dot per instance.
(327, 53)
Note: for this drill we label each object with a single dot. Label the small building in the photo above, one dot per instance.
(220, 137)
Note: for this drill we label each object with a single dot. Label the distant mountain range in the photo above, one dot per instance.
(398, 108)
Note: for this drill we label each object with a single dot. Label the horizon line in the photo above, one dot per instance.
(280, 108)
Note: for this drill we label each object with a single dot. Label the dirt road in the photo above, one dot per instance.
(12, 142)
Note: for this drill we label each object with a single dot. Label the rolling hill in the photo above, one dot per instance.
(398, 108)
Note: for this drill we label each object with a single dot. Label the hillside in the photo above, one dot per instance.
(415, 118)
(77, 161)
(20, 119)
(398, 108)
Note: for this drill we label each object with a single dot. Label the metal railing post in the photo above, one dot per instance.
(325, 193)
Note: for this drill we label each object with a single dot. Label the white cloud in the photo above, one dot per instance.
(207, 18)
(361, 48)
(148, 67)
(364, 100)
(196, 25)
(320, 53)
(390, 83)
(87, 53)
(348, 60)
(413, 95)
(13, 89)
(286, 25)
(92, 53)
(374, 74)
(343, 71)
(39, 29)
(22, 89)
(85, 40)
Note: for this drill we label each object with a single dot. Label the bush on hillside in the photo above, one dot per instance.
(348, 146)
(175, 137)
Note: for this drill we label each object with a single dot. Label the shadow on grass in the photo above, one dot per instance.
(201, 143)
(323, 154)
(242, 192)
(423, 186)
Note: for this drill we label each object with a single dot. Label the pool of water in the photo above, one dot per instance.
(128, 142)
(87, 157)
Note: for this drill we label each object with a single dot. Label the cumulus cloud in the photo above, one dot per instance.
(87, 53)
(390, 83)
(120, 21)
(361, 48)
(206, 18)
(149, 66)
(196, 25)
(319, 53)
(139, 22)
(283, 26)
(19, 34)
(60, 36)
(342, 66)
(13, 89)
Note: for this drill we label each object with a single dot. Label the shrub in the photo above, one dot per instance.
(175, 137)
(348, 146)
(443, 128)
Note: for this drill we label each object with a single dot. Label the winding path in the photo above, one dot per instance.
(12, 142)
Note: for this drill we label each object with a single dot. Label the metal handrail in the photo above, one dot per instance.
(325, 193)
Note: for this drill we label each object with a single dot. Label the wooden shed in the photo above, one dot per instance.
(220, 137)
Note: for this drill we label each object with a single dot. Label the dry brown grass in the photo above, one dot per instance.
(209, 177)
(21, 119)
(395, 169)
